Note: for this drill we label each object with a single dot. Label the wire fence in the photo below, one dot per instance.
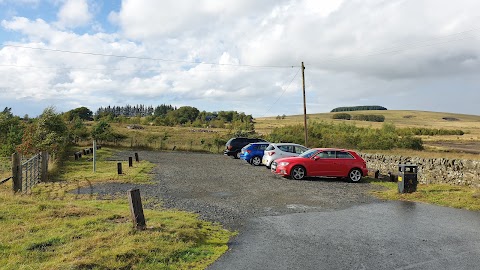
(5, 166)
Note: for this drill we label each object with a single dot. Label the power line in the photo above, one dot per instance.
(132, 69)
(147, 58)
(401, 47)
(281, 93)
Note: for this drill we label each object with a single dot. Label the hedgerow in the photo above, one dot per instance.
(343, 135)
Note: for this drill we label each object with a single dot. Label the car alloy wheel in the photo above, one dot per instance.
(355, 175)
(298, 173)
(256, 161)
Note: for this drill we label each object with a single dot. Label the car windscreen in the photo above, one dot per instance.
(270, 147)
(308, 154)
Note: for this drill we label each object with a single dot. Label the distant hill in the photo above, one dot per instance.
(359, 108)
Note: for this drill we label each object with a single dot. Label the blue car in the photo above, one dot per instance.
(253, 152)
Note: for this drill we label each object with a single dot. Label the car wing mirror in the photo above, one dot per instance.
(316, 158)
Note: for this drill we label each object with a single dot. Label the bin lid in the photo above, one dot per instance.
(407, 165)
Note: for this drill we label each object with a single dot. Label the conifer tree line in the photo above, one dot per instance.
(130, 111)
(168, 115)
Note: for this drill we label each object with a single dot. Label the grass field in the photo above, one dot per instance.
(446, 195)
(448, 146)
(182, 138)
(51, 228)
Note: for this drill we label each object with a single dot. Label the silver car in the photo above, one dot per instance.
(280, 150)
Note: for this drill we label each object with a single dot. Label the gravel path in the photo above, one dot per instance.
(229, 191)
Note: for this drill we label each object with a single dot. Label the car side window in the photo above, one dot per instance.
(343, 154)
(327, 154)
(286, 148)
(299, 149)
(263, 146)
(270, 147)
(242, 141)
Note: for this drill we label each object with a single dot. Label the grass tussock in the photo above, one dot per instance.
(51, 228)
(440, 194)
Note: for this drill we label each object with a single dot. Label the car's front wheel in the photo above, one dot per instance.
(298, 173)
(256, 161)
(355, 175)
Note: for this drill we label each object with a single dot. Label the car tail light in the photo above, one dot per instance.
(271, 153)
(229, 147)
(248, 151)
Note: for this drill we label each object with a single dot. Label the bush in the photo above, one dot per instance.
(344, 116)
(429, 131)
(343, 135)
(369, 117)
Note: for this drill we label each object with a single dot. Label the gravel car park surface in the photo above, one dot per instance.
(231, 191)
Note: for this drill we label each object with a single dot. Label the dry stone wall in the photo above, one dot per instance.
(435, 170)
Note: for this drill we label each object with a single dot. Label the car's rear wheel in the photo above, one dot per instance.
(256, 160)
(298, 173)
(355, 175)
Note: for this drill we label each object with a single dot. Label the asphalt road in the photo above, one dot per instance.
(312, 224)
(388, 235)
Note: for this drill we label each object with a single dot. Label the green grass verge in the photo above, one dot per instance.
(439, 194)
(53, 229)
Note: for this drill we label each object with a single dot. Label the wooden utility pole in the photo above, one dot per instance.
(304, 106)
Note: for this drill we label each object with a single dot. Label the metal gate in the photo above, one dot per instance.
(30, 172)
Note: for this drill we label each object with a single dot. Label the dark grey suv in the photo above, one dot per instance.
(235, 145)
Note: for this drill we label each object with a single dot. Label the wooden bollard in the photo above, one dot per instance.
(75, 155)
(136, 209)
(136, 157)
(119, 168)
(377, 173)
(130, 161)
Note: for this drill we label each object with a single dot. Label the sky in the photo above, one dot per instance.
(242, 55)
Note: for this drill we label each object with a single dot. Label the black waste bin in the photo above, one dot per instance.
(407, 178)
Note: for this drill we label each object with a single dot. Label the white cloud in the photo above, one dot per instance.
(74, 13)
(355, 52)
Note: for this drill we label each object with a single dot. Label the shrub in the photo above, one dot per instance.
(345, 116)
(343, 135)
(369, 117)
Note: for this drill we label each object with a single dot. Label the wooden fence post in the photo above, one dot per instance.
(17, 172)
(136, 209)
(130, 161)
(119, 168)
(44, 165)
(136, 157)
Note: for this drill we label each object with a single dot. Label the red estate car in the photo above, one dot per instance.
(322, 162)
